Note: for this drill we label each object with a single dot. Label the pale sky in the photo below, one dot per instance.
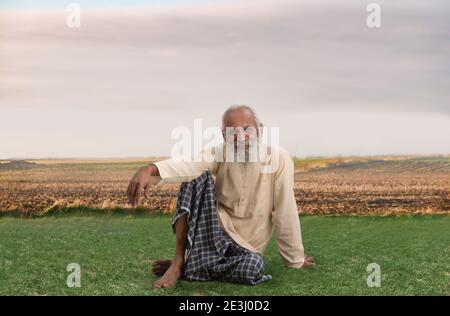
(118, 85)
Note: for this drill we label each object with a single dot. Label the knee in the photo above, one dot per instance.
(250, 269)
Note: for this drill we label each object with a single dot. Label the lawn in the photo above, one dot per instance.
(115, 253)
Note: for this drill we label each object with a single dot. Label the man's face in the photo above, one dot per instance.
(244, 128)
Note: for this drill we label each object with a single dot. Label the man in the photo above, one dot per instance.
(252, 198)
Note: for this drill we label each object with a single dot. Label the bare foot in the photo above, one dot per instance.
(170, 277)
(159, 267)
(309, 262)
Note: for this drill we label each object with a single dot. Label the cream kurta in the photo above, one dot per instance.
(250, 200)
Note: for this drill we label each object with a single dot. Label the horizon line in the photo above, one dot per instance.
(446, 155)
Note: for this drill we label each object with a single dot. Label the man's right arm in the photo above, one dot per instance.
(173, 170)
(141, 181)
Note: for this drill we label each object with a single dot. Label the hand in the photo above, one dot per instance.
(309, 262)
(141, 181)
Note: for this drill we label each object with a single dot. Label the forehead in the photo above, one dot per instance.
(240, 117)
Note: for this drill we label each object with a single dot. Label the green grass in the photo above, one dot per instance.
(115, 253)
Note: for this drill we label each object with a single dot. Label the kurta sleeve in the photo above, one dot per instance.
(285, 216)
(179, 170)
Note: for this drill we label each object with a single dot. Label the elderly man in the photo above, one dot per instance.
(222, 227)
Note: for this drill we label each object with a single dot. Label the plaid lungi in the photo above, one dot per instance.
(211, 254)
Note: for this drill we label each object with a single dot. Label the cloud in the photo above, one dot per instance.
(292, 54)
(287, 56)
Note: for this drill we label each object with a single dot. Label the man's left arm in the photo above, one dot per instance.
(285, 214)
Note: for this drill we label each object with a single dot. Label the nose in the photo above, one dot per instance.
(240, 136)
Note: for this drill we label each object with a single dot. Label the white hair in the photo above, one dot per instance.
(239, 107)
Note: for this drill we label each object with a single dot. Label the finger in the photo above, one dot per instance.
(129, 192)
(158, 263)
(146, 189)
(159, 270)
(308, 264)
(312, 262)
(158, 266)
(137, 195)
(158, 273)
(137, 199)
(133, 193)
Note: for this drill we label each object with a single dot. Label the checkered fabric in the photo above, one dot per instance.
(211, 254)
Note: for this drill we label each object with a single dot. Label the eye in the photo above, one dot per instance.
(250, 130)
